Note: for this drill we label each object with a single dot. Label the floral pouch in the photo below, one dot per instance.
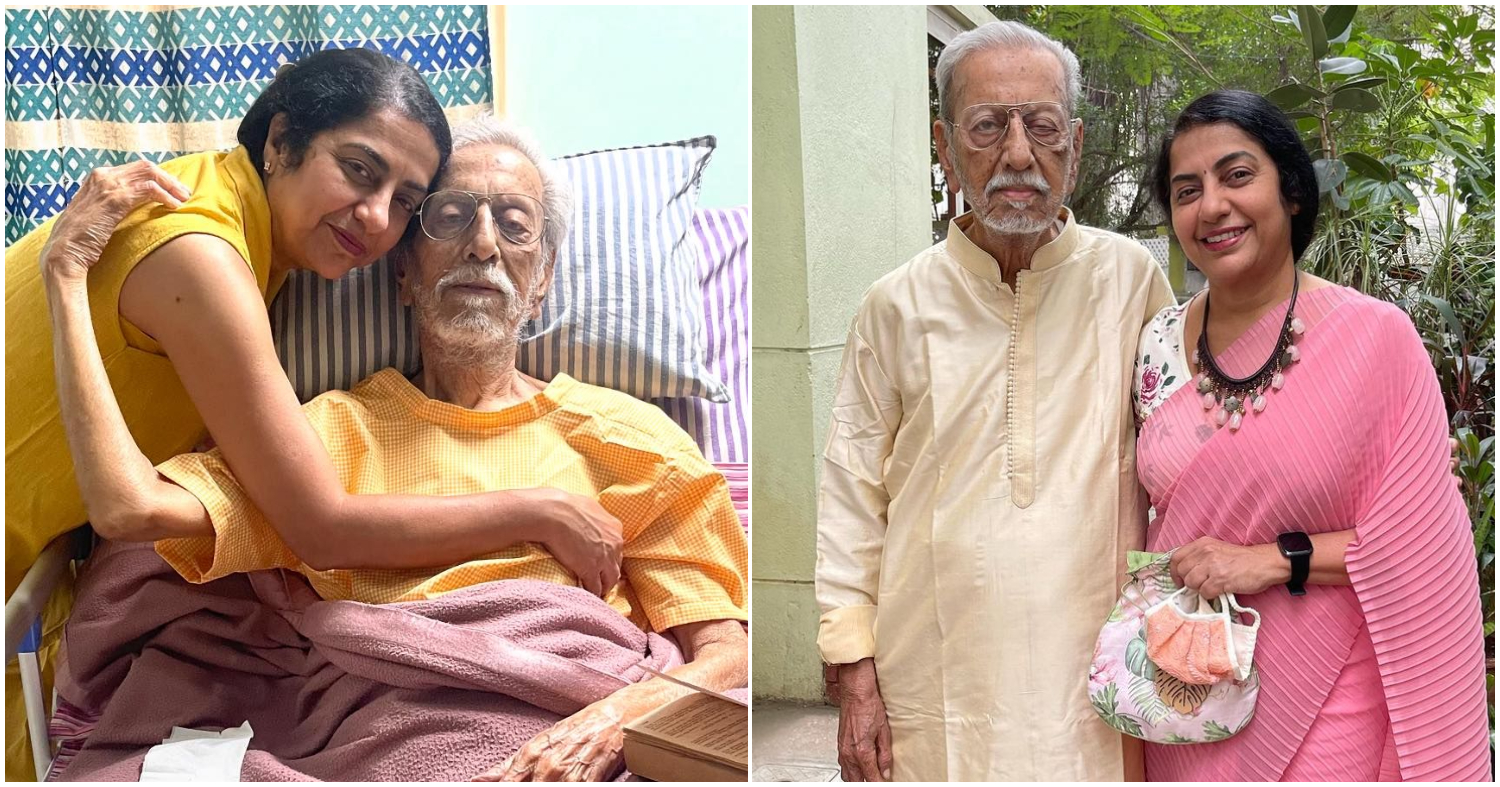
(1131, 694)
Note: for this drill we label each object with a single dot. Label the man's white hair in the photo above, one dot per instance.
(996, 35)
(557, 195)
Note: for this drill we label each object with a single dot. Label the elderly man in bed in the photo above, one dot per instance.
(470, 422)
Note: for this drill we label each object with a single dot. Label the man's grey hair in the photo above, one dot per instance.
(996, 35)
(557, 195)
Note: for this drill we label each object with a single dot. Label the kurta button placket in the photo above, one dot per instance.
(1021, 465)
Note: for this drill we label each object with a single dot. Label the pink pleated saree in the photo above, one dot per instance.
(1383, 680)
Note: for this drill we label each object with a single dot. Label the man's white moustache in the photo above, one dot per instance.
(497, 279)
(1007, 180)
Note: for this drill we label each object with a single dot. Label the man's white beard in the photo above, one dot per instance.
(472, 334)
(1016, 221)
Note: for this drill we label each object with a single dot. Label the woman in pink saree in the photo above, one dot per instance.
(1281, 413)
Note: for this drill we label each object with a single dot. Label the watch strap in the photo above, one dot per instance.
(1301, 565)
(1296, 547)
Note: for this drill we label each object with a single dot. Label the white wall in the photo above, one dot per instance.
(585, 78)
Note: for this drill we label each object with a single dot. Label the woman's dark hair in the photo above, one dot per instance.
(327, 89)
(1266, 124)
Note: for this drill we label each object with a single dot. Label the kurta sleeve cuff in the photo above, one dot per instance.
(847, 634)
(243, 540)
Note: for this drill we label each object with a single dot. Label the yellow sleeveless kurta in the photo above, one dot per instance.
(42, 500)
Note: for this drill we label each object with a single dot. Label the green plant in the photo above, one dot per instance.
(1476, 466)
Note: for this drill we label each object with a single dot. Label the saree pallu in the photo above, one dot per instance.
(1357, 439)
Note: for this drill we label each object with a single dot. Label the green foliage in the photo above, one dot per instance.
(1141, 65)
(1143, 694)
(1107, 707)
(1408, 150)
(1136, 660)
(1214, 731)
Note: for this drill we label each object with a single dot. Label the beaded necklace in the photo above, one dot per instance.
(1231, 394)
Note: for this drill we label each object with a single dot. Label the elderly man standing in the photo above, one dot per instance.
(979, 485)
(468, 422)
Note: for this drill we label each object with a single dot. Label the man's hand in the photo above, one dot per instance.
(1453, 461)
(864, 730)
(106, 197)
(583, 537)
(588, 746)
(1212, 567)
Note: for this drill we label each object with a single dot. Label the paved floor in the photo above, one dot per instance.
(794, 743)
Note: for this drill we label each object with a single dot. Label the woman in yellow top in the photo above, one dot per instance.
(336, 158)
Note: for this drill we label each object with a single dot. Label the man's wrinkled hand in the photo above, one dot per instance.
(1453, 462)
(104, 199)
(864, 730)
(588, 746)
(585, 538)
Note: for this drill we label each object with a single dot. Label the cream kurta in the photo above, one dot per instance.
(978, 495)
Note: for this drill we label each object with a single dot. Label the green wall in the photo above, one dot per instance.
(585, 78)
(841, 197)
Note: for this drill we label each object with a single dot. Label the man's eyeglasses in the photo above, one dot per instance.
(446, 214)
(981, 126)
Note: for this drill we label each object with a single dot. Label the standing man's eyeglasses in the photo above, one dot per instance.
(980, 126)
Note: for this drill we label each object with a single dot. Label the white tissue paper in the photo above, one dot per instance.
(197, 755)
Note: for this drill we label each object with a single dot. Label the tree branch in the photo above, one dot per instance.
(1187, 53)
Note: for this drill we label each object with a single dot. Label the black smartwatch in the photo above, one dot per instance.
(1296, 547)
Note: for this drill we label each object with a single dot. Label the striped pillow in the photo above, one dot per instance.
(625, 311)
(332, 334)
(722, 430)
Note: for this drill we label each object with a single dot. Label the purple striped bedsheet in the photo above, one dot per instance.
(738, 476)
(722, 430)
(69, 729)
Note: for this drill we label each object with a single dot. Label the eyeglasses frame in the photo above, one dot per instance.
(1071, 124)
(480, 198)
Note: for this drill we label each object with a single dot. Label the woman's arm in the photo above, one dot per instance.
(1211, 567)
(590, 744)
(125, 497)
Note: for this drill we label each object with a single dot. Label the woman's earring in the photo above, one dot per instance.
(267, 167)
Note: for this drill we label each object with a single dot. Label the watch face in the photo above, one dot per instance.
(1294, 543)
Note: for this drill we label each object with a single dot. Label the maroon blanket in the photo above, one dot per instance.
(428, 690)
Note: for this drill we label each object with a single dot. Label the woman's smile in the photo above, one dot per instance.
(348, 242)
(1224, 240)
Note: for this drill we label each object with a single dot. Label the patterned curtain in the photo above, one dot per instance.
(96, 87)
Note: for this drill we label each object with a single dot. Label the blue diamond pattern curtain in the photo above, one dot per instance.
(95, 87)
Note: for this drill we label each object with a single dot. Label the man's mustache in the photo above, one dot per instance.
(486, 276)
(1010, 179)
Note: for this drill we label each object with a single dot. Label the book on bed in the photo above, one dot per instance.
(700, 737)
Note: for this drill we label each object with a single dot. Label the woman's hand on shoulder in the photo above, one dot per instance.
(106, 197)
(1211, 567)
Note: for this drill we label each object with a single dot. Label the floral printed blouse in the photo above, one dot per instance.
(1161, 367)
